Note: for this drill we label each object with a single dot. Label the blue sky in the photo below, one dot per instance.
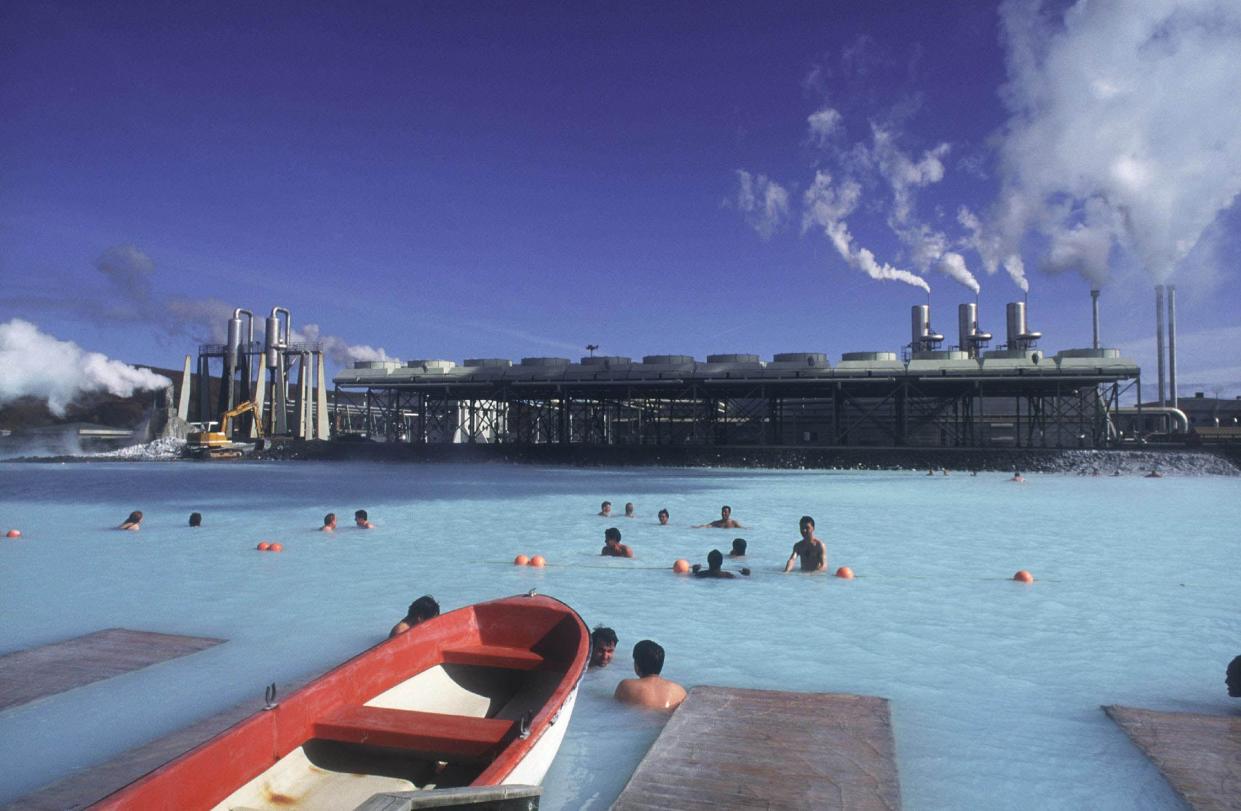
(503, 180)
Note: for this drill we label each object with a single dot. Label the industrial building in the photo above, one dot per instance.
(967, 396)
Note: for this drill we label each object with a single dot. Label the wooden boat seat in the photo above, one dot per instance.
(430, 734)
(497, 656)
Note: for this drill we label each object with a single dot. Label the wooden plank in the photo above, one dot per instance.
(427, 733)
(1200, 755)
(732, 748)
(39, 672)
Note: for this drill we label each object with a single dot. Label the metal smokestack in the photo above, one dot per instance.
(1094, 316)
(967, 323)
(1172, 344)
(1015, 318)
(920, 322)
(1159, 340)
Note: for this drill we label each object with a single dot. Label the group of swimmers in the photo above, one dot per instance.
(360, 520)
(649, 689)
(134, 522)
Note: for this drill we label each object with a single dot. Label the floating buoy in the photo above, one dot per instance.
(538, 562)
(13, 533)
(681, 566)
(264, 546)
(520, 560)
(1023, 577)
(845, 573)
(276, 547)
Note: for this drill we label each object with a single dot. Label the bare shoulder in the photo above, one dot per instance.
(627, 691)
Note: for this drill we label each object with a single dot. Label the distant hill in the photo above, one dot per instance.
(99, 408)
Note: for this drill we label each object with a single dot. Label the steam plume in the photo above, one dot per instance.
(764, 202)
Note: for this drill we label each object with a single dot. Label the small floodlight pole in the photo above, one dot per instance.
(591, 349)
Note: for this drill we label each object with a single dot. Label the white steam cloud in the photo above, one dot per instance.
(38, 365)
(764, 202)
(823, 125)
(1124, 132)
(338, 349)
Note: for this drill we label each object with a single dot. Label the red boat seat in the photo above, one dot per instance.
(430, 734)
(498, 656)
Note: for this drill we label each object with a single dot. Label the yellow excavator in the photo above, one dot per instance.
(218, 444)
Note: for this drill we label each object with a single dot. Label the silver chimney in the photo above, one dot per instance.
(1019, 335)
(970, 336)
(1159, 340)
(923, 338)
(1172, 345)
(1094, 316)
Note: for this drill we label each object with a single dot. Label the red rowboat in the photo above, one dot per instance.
(480, 696)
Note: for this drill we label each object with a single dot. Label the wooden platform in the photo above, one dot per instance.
(30, 674)
(730, 748)
(1200, 755)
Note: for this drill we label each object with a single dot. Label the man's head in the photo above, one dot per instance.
(663, 516)
(360, 517)
(602, 646)
(628, 508)
(648, 658)
(422, 609)
(196, 519)
(611, 536)
(1233, 679)
(738, 548)
(725, 511)
(605, 507)
(806, 524)
(715, 559)
(329, 520)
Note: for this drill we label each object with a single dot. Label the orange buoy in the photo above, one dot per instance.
(520, 560)
(1023, 577)
(13, 533)
(538, 561)
(264, 546)
(681, 566)
(276, 547)
(845, 573)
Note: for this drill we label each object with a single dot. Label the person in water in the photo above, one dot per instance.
(612, 546)
(1154, 474)
(602, 646)
(810, 549)
(663, 517)
(650, 689)
(1017, 477)
(715, 567)
(196, 519)
(1233, 678)
(629, 510)
(329, 523)
(605, 509)
(133, 523)
(361, 521)
(725, 521)
(738, 550)
(420, 610)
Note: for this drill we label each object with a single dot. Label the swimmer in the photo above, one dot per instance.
(196, 519)
(1154, 474)
(420, 610)
(133, 523)
(725, 521)
(715, 567)
(650, 690)
(629, 510)
(1233, 678)
(612, 546)
(605, 509)
(944, 471)
(930, 472)
(602, 646)
(738, 550)
(663, 517)
(810, 549)
(360, 520)
(329, 523)
(1017, 477)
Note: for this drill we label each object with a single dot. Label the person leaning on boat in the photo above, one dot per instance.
(650, 689)
(420, 610)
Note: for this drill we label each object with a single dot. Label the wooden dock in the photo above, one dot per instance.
(1200, 755)
(731, 748)
(49, 669)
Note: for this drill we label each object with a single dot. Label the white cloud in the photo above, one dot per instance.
(38, 365)
(764, 202)
(823, 124)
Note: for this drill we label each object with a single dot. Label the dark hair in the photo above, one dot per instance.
(135, 517)
(424, 608)
(196, 519)
(628, 506)
(715, 559)
(360, 514)
(1234, 668)
(612, 534)
(605, 504)
(662, 511)
(726, 507)
(738, 546)
(805, 519)
(648, 658)
(603, 635)
(329, 518)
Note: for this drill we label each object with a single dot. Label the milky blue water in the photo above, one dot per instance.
(995, 686)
